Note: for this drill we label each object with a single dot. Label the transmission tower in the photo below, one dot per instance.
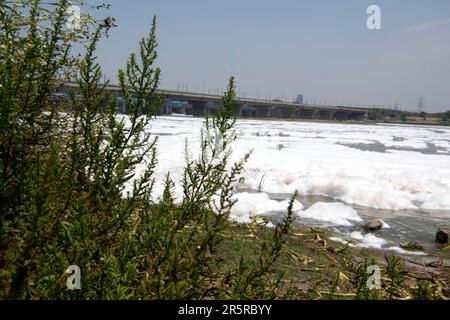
(421, 105)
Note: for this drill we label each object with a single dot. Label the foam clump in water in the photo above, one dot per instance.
(368, 240)
(252, 204)
(336, 213)
(405, 252)
(384, 225)
(373, 242)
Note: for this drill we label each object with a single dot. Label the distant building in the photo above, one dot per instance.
(299, 99)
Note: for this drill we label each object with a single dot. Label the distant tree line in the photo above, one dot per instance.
(445, 116)
(390, 115)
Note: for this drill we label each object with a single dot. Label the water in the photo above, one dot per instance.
(416, 226)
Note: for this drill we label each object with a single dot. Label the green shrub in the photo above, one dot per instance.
(64, 164)
(445, 116)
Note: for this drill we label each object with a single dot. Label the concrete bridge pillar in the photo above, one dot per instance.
(357, 116)
(105, 103)
(326, 114)
(263, 112)
(164, 109)
(179, 110)
(199, 108)
(283, 113)
(289, 113)
(307, 114)
(212, 109)
(275, 113)
(342, 115)
(189, 110)
(248, 111)
(237, 108)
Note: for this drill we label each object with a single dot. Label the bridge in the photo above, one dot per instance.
(197, 104)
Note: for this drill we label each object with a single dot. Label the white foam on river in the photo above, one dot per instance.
(307, 157)
(323, 159)
(335, 213)
(372, 241)
(253, 204)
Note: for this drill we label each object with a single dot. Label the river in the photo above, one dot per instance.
(345, 174)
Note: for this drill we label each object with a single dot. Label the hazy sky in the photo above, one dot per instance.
(319, 48)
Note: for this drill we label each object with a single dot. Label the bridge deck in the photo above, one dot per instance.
(200, 97)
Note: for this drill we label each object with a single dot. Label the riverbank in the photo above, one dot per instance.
(316, 267)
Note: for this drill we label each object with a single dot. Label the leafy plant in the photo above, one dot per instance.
(77, 177)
